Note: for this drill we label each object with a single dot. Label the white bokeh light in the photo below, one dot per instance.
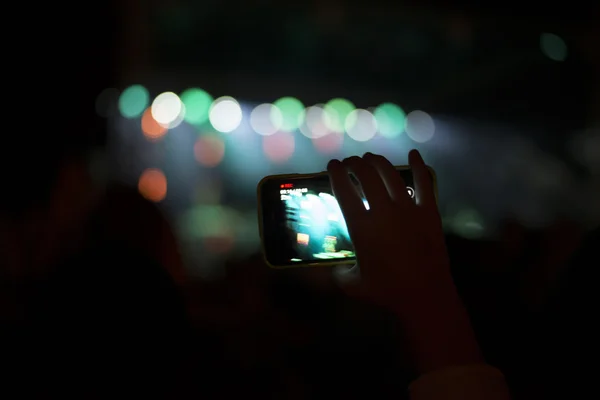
(180, 118)
(225, 114)
(420, 126)
(266, 119)
(167, 109)
(361, 125)
(314, 125)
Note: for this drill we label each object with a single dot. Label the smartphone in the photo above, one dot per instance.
(301, 223)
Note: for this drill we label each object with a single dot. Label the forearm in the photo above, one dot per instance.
(446, 354)
(467, 382)
(438, 333)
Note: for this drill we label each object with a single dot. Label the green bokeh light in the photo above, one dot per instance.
(208, 221)
(292, 113)
(197, 104)
(391, 120)
(469, 224)
(553, 46)
(133, 101)
(336, 112)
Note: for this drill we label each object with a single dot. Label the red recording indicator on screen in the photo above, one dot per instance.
(287, 185)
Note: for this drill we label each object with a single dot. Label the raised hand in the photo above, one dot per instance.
(399, 243)
(402, 258)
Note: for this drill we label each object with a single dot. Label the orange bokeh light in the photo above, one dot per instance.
(209, 150)
(153, 185)
(152, 129)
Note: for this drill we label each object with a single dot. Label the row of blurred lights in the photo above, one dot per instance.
(325, 124)
(288, 114)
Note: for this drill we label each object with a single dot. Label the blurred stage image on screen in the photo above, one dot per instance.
(316, 224)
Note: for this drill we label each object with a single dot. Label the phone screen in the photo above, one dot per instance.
(302, 222)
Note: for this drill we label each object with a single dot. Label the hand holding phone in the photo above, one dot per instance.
(402, 257)
(399, 240)
(301, 222)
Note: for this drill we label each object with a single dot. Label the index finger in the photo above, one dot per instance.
(345, 191)
(391, 178)
(423, 181)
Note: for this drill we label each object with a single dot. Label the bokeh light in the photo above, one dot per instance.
(361, 125)
(330, 143)
(133, 101)
(209, 150)
(553, 46)
(197, 104)
(225, 114)
(420, 126)
(279, 147)
(150, 128)
(214, 225)
(336, 112)
(153, 185)
(315, 123)
(167, 109)
(469, 224)
(292, 113)
(266, 119)
(391, 120)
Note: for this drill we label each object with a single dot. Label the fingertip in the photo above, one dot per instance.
(424, 189)
(414, 157)
(372, 156)
(351, 159)
(334, 163)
